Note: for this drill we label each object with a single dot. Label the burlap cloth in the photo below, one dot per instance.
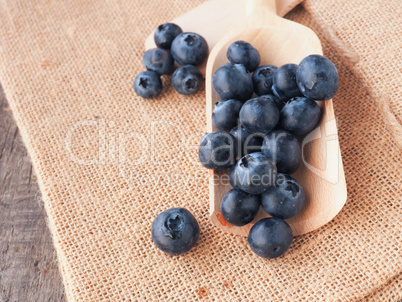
(108, 161)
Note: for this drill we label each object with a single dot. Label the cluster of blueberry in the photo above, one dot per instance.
(257, 140)
(187, 49)
(261, 148)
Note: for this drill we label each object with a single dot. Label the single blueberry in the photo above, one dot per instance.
(175, 231)
(300, 116)
(225, 115)
(284, 149)
(260, 114)
(148, 84)
(270, 237)
(244, 53)
(284, 83)
(233, 81)
(263, 78)
(189, 49)
(253, 173)
(239, 208)
(285, 199)
(187, 79)
(158, 60)
(247, 142)
(165, 34)
(317, 78)
(217, 150)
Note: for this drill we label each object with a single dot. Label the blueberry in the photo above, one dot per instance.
(244, 53)
(260, 114)
(317, 78)
(247, 142)
(187, 79)
(270, 237)
(189, 49)
(233, 81)
(165, 34)
(225, 115)
(175, 231)
(253, 173)
(239, 208)
(284, 83)
(148, 84)
(285, 199)
(300, 115)
(263, 78)
(217, 150)
(158, 60)
(284, 149)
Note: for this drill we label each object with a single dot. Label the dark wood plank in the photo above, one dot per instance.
(28, 263)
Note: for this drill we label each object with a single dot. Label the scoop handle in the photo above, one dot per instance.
(254, 7)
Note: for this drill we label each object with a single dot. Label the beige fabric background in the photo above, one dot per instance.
(67, 69)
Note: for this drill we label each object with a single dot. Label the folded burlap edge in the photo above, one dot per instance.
(388, 289)
(351, 57)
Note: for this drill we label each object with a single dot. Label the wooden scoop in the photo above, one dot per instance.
(321, 174)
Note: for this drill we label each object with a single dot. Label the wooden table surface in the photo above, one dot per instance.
(28, 264)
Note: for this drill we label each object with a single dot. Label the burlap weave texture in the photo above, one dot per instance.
(108, 162)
